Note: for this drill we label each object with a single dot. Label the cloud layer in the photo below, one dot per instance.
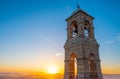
(116, 39)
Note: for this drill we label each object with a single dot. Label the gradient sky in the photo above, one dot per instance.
(33, 32)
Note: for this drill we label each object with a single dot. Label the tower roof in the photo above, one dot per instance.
(79, 10)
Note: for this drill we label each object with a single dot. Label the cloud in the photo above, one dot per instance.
(109, 42)
(117, 39)
(58, 54)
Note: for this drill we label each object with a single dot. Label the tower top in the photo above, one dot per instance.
(77, 4)
(78, 10)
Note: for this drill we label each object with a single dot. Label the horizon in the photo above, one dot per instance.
(33, 34)
(37, 73)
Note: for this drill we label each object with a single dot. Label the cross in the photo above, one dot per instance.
(77, 4)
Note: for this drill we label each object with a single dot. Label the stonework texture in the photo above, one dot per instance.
(82, 59)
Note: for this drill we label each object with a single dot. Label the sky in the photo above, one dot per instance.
(33, 33)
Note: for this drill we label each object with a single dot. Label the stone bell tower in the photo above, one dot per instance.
(82, 59)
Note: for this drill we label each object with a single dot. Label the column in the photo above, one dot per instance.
(83, 68)
(80, 29)
(66, 69)
(99, 69)
(91, 32)
(69, 33)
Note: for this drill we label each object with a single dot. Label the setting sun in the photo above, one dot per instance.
(52, 70)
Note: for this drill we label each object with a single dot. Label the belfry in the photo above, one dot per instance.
(82, 59)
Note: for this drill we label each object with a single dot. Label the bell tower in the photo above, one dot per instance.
(82, 59)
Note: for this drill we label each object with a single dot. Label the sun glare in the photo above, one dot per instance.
(52, 70)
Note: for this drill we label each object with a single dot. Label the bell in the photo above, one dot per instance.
(76, 31)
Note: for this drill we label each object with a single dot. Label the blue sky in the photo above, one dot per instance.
(33, 30)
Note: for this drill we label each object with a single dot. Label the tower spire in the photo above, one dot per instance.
(77, 4)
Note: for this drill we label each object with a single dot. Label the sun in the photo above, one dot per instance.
(52, 70)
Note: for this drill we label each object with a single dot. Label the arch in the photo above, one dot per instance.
(92, 66)
(86, 22)
(73, 55)
(73, 23)
(74, 28)
(73, 66)
(86, 28)
(91, 56)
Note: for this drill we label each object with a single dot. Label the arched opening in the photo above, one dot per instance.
(85, 32)
(74, 27)
(73, 67)
(86, 28)
(92, 67)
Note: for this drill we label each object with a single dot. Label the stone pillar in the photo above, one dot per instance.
(99, 69)
(66, 69)
(83, 68)
(80, 29)
(91, 32)
(86, 68)
(69, 33)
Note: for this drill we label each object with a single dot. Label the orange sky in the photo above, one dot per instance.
(34, 33)
(105, 69)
